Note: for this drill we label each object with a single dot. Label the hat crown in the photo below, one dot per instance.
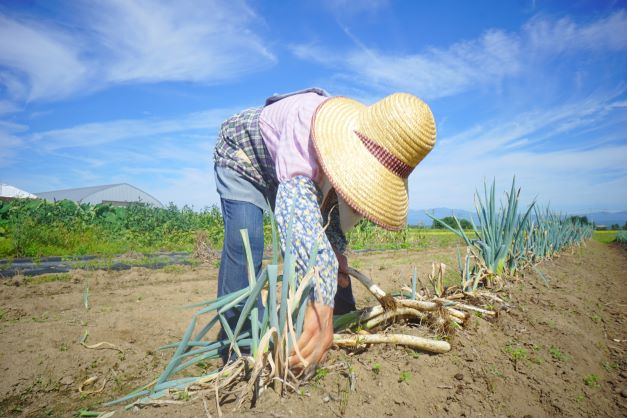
(402, 124)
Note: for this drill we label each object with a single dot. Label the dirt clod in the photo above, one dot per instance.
(67, 380)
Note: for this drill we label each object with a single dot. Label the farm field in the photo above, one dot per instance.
(604, 236)
(558, 351)
(188, 190)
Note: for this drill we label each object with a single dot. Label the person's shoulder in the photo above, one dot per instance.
(310, 92)
(300, 101)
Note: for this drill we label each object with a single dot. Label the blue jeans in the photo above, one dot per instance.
(233, 273)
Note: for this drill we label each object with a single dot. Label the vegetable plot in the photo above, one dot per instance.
(272, 308)
(258, 356)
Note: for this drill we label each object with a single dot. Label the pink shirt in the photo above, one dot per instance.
(285, 127)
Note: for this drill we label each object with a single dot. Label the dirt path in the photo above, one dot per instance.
(555, 353)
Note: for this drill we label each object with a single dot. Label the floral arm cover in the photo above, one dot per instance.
(307, 228)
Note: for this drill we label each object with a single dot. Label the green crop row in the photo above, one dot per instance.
(507, 239)
(34, 228)
(37, 228)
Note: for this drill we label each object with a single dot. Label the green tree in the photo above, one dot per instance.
(615, 227)
(450, 221)
(580, 219)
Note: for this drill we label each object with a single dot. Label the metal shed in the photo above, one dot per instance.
(116, 194)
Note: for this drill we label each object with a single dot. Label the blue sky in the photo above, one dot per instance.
(134, 91)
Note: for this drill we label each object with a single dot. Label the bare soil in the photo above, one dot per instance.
(559, 351)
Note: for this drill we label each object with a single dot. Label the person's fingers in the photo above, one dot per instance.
(311, 353)
(304, 339)
(307, 334)
(307, 337)
(310, 348)
(316, 339)
(296, 362)
(310, 329)
(306, 352)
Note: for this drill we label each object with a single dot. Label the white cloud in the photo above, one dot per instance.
(564, 34)
(467, 65)
(567, 179)
(128, 130)
(10, 141)
(202, 146)
(533, 126)
(9, 147)
(8, 106)
(588, 172)
(171, 158)
(39, 61)
(188, 185)
(431, 74)
(88, 176)
(197, 41)
(352, 7)
(438, 73)
(129, 41)
(8, 126)
(618, 104)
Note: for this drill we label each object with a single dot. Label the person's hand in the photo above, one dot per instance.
(316, 338)
(343, 280)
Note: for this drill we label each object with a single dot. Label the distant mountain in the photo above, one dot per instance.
(419, 217)
(608, 218)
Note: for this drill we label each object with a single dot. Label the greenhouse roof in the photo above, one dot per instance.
(77, 194)
(112, 193)
(8, 191)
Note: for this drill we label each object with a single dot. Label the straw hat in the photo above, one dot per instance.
(368, 152)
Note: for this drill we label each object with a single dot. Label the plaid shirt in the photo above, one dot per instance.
(240, 147)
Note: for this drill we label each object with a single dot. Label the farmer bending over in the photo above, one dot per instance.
(340, 161)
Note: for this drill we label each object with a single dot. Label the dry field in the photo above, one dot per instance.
(559, 351)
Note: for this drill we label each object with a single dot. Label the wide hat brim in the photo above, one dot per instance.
(357, 175)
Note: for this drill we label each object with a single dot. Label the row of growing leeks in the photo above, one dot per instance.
(508, 240)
